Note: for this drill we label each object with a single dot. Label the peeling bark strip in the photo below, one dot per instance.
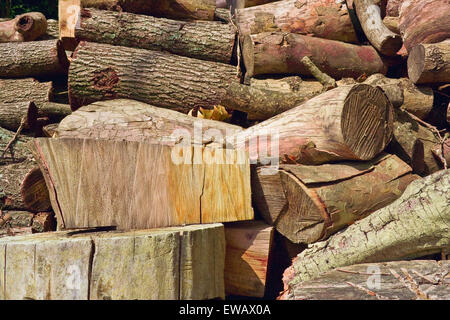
(346, 123)
(416, 224)
(32, 59)
(168, 186)
(328, 19)
(165, 264)
(24, 27)
(105, 72)
(130, 120)
(399, 280)
(281, 53)
(430, 63)
(383, 39)
(213, 41)
(309, 203)
(424, 21)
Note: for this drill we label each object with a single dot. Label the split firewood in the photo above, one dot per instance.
(383, 39)
(281, 53)
(30, 59)
(430, 63)
(413, 142)
(411, 227)
(346, 123)
(13, 148)
(102, 72)
(399, 280)
(309, 203)
(34, 192)
(204, 40)
(248, 258)
(130, 120)
(262, 104)
(194, 184)
(327, 82)
(424, 21)
(328, 19)
(24, 90)
(173, 263)
(24, 27)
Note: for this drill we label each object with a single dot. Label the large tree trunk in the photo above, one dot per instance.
(430, 63)
(424, 21)
(346, 123)
(383, 39)
(399, 280)
(414, 144)
(280, 53)
(30, 59)
(309, 203)
(193, 184)
(327, 19)
(248, 258)
(104, 72)
(24, 27)
(213, 41)
(410, 227)
(27, 89)
(131, 120)
(167, 264)
(262, 104)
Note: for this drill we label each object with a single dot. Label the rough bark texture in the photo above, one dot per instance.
(47, 113)
(18, 151)
(399, 280)
(11, 114)
(52, 30)
(390, 87)
(223, 15)
(327, 19)
(105, 72)
(24, 90)
(281, 53)
(131, 120)
(35, 58)
(442, 152)
(39, 222)
(416, 224)
(309, 203)
(24, 27)
(34, 191)
(414, 143)
(213, 41)
(171, 186)
(262, 104)
(424, 21)
(346, 123)
(383, 39)
(287, 84)
(430, 63)
(393, 8)
(167, 264)
(11, 178)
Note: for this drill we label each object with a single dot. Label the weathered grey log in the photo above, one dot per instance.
(416, 224)
(213, 41)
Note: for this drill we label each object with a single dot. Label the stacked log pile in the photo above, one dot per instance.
(316, 131)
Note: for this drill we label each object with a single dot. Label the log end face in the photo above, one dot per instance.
(391, 45)
(367, 121)
(416, 63)
(34, 191)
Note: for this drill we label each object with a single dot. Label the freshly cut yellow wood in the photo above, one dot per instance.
(164, 264)
(248, 251)
(136, 185)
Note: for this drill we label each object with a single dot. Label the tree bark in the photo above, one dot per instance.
(105, 72)
(34, 191)
(393, 8)
(27, 89)
(47, 113)
(131, 120)
(39, 222)
(328, 19)
(11, 114)
(287, 84)
(410, 227)
(18, 152)
(399, 280)
(223, 15)
(346, 123)
(442, 152)
(24, 27)
(11, 179)
(383, 39)
(280, 53)
(414, 143)
(430, 63)
(392, 24)
(309, 203)
(262, 104)
(35, 58)
(390, 87)
(424, 21)
(203, 40)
